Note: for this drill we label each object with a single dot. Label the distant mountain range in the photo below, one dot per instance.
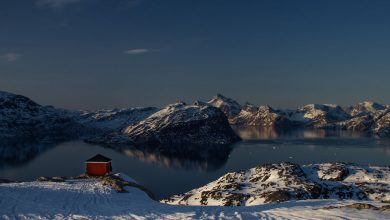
(365, 116)
(201, 123)
(176, 124)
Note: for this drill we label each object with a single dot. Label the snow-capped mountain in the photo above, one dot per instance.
(230, 107)
(22, 118)
(357, 123)
(115, 119)
(366, 116)
(382, 123)
(320, 115)
(264, 116)
(176, 124)
(286, 181)
(366, 107)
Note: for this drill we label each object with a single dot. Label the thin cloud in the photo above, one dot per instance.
(54, 3)
(137, 51)
(10, 57)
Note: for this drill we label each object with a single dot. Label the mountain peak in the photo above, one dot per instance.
(230, 107)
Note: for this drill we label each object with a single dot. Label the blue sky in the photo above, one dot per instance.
(89, 54)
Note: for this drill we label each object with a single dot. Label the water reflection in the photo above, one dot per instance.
(256, 133)
(14, 152)
(202, 158)
(172, 170)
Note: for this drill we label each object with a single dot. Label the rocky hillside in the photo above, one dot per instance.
(286, 181)
(22, 118)
(176, 124)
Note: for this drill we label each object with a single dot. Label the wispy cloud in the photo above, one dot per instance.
(137, 51)
(54, 3)
(10, 57)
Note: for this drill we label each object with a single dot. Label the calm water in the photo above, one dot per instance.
(166, 174)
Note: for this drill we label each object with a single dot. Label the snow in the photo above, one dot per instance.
(113, 119)
(86, 199)
(4, 94)
(286, 181)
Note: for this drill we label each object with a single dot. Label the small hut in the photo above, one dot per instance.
(98, 165)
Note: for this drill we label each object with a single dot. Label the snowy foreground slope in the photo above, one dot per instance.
(91, 198)
(287, 181)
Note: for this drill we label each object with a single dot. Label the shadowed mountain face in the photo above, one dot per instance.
(175, 125)
(21, 118)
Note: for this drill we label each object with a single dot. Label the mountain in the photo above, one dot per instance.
(230, 107)
(366, 116)
(366, 107)
(286, 181)
(320, 115)
(358, 123)
(22, 118)
(176, 124)
(264, 116)
(115, 119)
(382, 123)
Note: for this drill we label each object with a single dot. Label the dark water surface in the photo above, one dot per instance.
(166, 174)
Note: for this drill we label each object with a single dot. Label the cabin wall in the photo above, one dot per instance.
(98, 169)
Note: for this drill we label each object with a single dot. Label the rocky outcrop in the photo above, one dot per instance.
(286, 181)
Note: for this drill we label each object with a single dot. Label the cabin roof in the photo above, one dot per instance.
(99, 158)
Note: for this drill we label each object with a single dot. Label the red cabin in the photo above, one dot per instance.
(98, 165)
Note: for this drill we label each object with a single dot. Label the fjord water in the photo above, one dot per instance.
(166, 174)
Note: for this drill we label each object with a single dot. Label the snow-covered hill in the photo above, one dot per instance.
(98, 199)
(22, 118)
(286, 181)
(177, 124)
(115, 119)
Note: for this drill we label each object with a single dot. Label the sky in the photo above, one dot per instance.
(92, 54)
